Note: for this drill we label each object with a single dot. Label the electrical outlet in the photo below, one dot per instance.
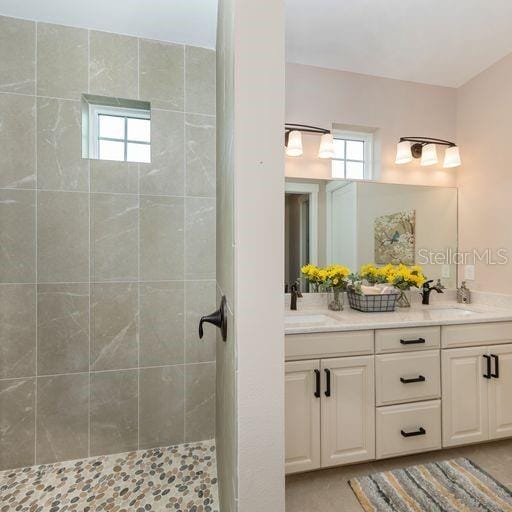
(445, 272)
(469, 272)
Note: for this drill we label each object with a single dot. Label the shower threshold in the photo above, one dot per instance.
(178, 478)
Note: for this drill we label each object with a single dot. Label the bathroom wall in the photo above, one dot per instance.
(393, 108)
(484, 110)
(105, 267)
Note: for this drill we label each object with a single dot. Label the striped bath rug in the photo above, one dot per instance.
(455, 485)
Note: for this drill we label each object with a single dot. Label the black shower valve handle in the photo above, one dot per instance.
(217, 318)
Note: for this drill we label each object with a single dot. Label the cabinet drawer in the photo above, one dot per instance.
(470, 335)
(401, 340)
(328, 344)
(408, 428)
(408, 377)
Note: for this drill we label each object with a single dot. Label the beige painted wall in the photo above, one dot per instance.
(485, 179)
(393, 107)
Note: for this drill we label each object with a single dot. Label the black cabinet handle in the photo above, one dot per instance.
(412, 342)
(328, 382)
(217, 318)
(317, 383)
(496, 373)
(420, 378)
(488, 375)
(420, 432)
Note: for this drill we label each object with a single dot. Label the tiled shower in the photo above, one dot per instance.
(105, 267)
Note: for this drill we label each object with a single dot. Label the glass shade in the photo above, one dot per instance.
(452, 157)
(403, 153)
(294, 147)
(326, 146)
(429, 155)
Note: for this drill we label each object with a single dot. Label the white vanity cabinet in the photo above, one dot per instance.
(329, 402)
(477, 391)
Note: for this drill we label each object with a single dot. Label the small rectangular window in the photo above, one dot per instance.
(353, 155)
(116, 129)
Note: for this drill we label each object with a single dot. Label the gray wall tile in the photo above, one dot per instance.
(199, 401)
(200, 299)
(162, 74)
(60, 165)
(17, 423)
(166, 172)
(17, 330)
(110, 176)
(114, 237)
(63, 237)
(17, 236)
(200, 155)
(113, 66)
(57, 46)
(161, 238)
(17, 55)
(114, 326)
(199, 80)
(62, 418)
(162, 323)
(62, 328)
(114, 410)
(17, 141)
(200, 238)
(161, 411)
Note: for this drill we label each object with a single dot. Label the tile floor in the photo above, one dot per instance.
(178, 478)
(328, 490)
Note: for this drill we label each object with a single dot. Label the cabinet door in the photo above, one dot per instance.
(302, 416)
(348, 414)
(500, 391)
(465, 403)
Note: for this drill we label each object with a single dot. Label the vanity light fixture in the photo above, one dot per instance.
(293, 139)
(426, 149)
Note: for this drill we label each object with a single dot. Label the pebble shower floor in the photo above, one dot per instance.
(178, 478)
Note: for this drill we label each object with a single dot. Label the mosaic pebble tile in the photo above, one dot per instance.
(179, 478)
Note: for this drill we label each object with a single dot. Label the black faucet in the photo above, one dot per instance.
(295, 294)
(426, 289)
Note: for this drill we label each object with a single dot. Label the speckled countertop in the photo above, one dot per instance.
(312, 318)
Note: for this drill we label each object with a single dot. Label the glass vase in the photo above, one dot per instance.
(403, 300)
(336, 300)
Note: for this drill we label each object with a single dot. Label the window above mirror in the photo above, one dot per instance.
(116, 129)
(352, 155)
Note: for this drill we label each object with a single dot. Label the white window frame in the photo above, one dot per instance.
(368, 140)
(95, 111)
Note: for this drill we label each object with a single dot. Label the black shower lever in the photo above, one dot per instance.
(217, 318)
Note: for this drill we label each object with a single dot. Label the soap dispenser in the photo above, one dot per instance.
(463, 294)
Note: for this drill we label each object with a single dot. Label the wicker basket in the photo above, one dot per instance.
(372, 303)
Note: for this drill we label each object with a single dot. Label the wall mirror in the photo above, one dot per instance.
(116, 129)
(357, 222)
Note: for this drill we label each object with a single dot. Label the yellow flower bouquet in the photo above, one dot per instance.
(333, 277)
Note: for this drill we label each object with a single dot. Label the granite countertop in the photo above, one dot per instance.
(316, 319)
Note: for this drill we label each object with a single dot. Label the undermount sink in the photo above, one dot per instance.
(449, 311)
(299, 320)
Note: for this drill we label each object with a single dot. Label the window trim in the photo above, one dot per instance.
(95, 111)
(368, 139)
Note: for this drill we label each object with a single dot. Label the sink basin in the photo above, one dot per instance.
(301, 320)
(451, 311)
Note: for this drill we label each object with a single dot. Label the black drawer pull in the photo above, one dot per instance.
(328, 384)
(420, 432)
(413, 342)
(496, 373)
(420, 378)
(487, 374)
(317, 383)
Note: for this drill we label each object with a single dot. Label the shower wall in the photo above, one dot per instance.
(105, 267)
